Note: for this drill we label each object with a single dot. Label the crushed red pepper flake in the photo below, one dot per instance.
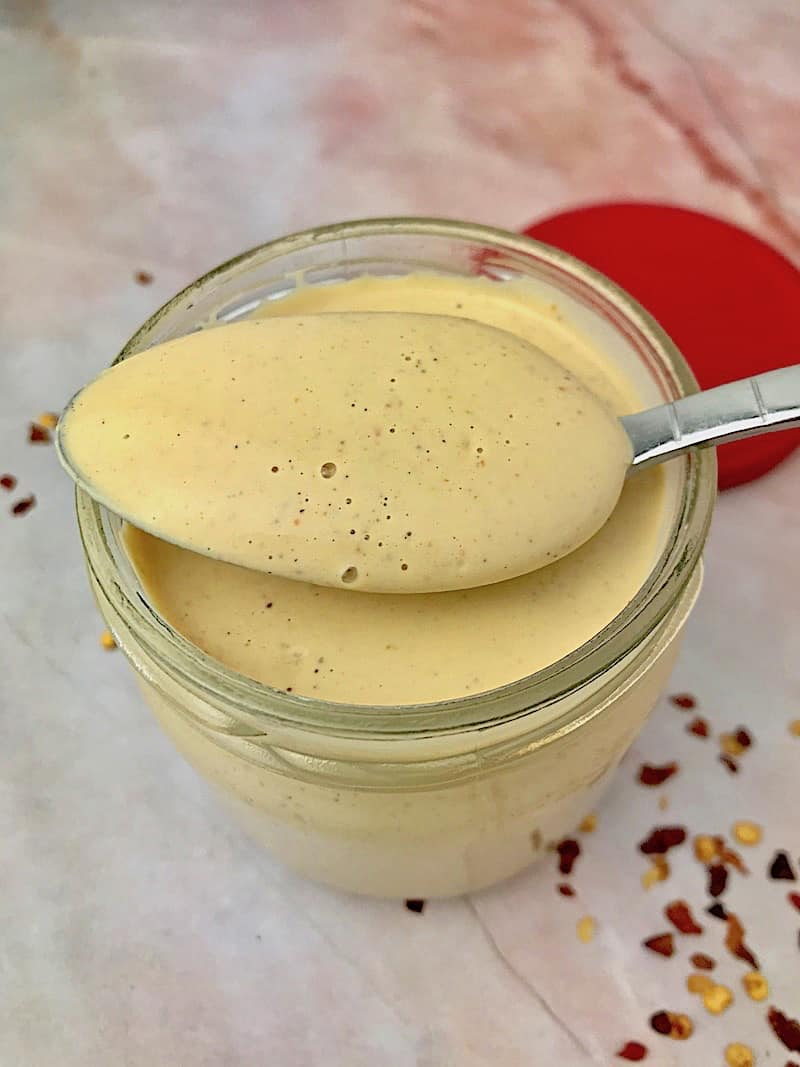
(744, 737)
(585, 929)
(658, 871)
(633, 1051)
(730, 763)
(702, 962)
(731, 745)
(699, 983)
(672, 1024)
(785, 1029)
(705, 848)
(417, 906)
(683, 700)
(662, 944)
(730, 856)
(660, 1022)
(739, 1055)
(794, 898)
(565, 889)
(718, 911)
(8, 482)
(717, 879)
(699, 727)
(717, 999)
(755, 985)
(680, 915)
(22, 507)
(568, 851)
(781, 868)
(143, 277)
(654, 774)
(661, 839)
(38, 435)
(708, 848)
(734, 941)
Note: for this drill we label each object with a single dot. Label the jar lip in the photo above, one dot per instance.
(640, 617)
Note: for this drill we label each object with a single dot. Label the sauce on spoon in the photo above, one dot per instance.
(388, 452)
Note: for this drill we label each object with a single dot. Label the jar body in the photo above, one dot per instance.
(439, 799)
(457, 829)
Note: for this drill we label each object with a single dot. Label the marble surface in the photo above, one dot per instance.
(136, 925)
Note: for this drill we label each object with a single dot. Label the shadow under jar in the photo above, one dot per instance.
(441, 798)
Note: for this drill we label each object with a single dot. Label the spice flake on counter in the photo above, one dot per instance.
(699, 727)
(718, 911)
(794, 727)
(710, 849)
(780, 869)
(717, 999)
(653, 774)
(585, 929)
(107, 640)
(565, 889)
(794, 898)
(22, 507)
(8, 482)
(672, 1024)
(48, 419)
(661, 839)
(685, 701)
(568, 851)
(747, 833)
(739, 1055)
(717, 879)
(658, 871)
(699, 983)
(729, 762)
(785, 1029)
(755, 985)
(736, 743)
(705, 848)
(734, 940)
(417, 906)
(38, 435)
(702, 962)
(143, 277)
(730, 857)
(633, 1052)
(679, 914)
(662, 944)
(588, 824)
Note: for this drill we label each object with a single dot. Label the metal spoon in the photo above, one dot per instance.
(745, 408)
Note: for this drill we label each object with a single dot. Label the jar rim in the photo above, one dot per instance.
(525, 696)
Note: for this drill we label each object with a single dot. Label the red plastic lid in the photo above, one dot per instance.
(730, 302)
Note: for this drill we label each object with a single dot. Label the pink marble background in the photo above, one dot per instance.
(136, 926)
(169, 136)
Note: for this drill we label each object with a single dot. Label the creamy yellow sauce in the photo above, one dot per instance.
(369, 648)
(386, 451)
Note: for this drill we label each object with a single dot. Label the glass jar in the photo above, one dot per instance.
(435, 799)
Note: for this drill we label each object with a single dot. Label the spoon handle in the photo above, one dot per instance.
(740, 409)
